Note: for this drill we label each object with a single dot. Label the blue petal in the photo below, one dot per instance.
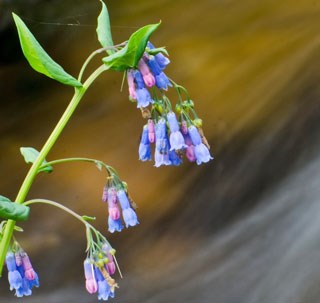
(123, 199)
(174, 158)
(143, 97)
(114, 225)
(15, 279)
(194, 135)
(202, 154)
(173, 122)
(130, 217)
(177, 141)
(162, 81)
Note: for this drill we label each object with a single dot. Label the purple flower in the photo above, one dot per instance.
(162, 144)
(161, 159)
(89, 273)
(174, 158)
(142, 94)
(131, 85)
(148, 77)
(162, 60)
(114, 225)
(145, 147)
(14, 277)
(176, 138)
(201, 152)
(22, 276)
(129, 215)
(162, 81)
(103, 286)
(151, 131)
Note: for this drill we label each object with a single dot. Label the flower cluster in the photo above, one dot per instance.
(115, 193)
(21, 275)
(98, 269)
(172, 139)
(148, 74)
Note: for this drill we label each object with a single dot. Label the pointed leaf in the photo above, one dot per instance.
(88, 218)
(104, 30)
(38, 58)
(30, 155)
(129, 56)
(13, 210)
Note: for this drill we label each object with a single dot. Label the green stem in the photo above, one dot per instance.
(25, 187)
(58, 205)
(111, 171)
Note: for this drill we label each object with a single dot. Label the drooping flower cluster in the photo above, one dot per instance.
(148, 74)
(172, 139)
(21, 275)
(115, 193)
(98, 269)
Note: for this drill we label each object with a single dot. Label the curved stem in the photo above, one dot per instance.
(25, 187)
(58, 205)
(109, 169)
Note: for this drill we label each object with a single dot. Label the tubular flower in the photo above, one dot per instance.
(162, 60)
(162, 81)
(147, 74)
(21, 275)
(114, 221)
(142, 94)
(176, 137)
(162, 144)
(97, 273)
(89, 273)
(144, 146)
(201, 152)
(129, 216)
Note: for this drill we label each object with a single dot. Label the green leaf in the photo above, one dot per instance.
(18, 228)
(13, 210)
(88, 218)
(30, 155)
(129, 56)
(38, 58)
(104, 30)
(157, 50)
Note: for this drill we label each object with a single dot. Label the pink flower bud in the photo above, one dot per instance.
(91, 286)
(29, 272)
(148, 77)
(131, 85)
(190, 153)
(111, 266)
(151, 131)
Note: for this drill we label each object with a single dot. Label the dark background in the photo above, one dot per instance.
(244, 228)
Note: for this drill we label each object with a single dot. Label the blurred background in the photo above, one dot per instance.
(243, 228)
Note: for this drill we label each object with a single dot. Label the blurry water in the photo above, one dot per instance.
(241, 229)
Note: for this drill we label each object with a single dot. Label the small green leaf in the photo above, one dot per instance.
(18, 228)
(30, 155)
(104, 30)
(13, 210)
(129, 56)
(38, 58)
(88, 218)
(157, 50)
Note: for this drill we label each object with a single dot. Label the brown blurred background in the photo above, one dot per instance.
(244, 228)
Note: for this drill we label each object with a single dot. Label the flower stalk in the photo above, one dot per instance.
(33, 171)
